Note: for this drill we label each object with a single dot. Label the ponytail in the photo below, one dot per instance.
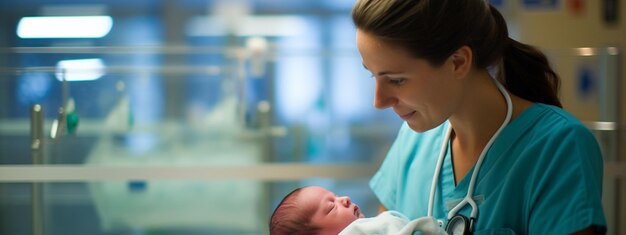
(528, 74)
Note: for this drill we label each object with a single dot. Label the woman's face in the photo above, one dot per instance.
(332, 213)
(423, 95)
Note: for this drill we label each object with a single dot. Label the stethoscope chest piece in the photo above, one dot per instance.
(460, 225)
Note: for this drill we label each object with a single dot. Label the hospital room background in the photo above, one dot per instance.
(197, 116)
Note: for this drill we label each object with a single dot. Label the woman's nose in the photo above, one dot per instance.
(381, 99)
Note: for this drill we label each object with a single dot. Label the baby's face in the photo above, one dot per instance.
(332, 213)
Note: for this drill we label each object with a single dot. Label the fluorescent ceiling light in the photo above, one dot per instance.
(247, 26)
(64, 26)
(80, 70)
(586, 51)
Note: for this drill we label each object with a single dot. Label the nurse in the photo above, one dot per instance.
(485, 147)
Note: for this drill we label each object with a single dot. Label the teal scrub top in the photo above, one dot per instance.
(542, 175)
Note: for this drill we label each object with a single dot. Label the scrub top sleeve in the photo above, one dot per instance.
(383, 189)
(567, 193)
(385, 181)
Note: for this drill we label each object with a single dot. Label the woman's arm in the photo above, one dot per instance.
(381, 208)
(587, 231)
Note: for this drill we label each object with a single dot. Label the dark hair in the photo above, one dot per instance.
(434, 29)
(288, 218)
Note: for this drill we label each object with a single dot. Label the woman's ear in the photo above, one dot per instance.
(462, 61)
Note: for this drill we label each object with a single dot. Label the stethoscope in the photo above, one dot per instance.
(457, 223)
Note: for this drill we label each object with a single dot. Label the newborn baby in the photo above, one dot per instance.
(315, 210)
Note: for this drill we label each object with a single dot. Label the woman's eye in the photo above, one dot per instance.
(396, 81)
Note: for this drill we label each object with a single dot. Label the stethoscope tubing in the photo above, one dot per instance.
(468, 199)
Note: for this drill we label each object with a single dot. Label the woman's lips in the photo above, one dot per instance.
(407, 116)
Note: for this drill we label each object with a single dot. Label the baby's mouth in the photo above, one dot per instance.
(357, 212)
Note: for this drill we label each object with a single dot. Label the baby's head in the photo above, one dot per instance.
(313, 210)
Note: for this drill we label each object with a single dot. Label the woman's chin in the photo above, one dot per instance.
(417, 128)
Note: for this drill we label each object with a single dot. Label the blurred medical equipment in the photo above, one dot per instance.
(120, 119)
(153, 205)
(67, 120)
(258, 48)
(37, 153)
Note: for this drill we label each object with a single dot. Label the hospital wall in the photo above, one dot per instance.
(565, 28)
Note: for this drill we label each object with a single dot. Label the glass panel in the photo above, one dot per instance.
(147, 111)
(179, 91)
(297, 93)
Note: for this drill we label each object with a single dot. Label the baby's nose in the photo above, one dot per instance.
(345, 201)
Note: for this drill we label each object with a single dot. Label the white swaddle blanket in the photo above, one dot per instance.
(393, 223)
